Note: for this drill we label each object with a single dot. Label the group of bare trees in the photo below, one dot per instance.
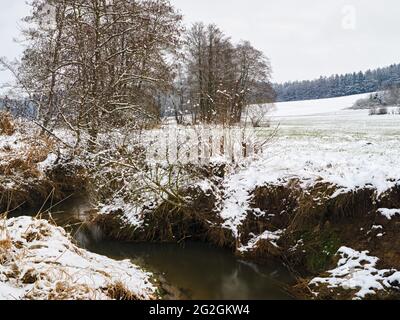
(220, 78)
(95, 64)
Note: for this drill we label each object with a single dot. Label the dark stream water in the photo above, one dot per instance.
(197, 270)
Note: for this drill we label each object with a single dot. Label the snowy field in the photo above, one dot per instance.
(332, 117)
(325, 138)
(321, 140)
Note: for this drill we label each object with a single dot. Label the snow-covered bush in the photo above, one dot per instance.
(374, 100)
(376, 111)
(391, 97)
(388, 97)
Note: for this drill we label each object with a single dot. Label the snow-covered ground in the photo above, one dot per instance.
(320, 140)
(39, 261)
(358, 271)
(332, 117)
(309, 108)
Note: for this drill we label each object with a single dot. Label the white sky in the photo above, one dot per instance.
(303, 38)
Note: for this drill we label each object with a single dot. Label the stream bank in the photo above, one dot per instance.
(314, 223)
(39, 261)
(311, 231)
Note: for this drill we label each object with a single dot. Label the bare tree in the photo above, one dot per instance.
(177, 103)
(95, 63)
(222, 78)
(257, 114)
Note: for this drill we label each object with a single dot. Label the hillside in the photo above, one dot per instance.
(339, 85)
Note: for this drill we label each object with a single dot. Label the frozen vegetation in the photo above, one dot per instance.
(39, 261)
(318, 142)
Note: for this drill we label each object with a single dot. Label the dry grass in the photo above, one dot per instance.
(28, 170)
(26, 182)
(40, 148)
(25, 160)
(5, 241)
(6, 124)
(117, 291)
(5, 247)
(30, 277)
(64, 291)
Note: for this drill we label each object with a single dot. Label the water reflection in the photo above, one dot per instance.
(204, 272)
(233, 287)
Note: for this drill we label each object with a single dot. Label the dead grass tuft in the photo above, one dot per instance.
(5, 247)
(6, 124)
(5, 244)
(30, 277)
(118, 291)
(37, 234)
(65, 291)
(28, 169)
(40, 151)
(5, 241)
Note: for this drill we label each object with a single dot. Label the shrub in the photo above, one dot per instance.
(383, 111)
(373, 101)
(378, 111)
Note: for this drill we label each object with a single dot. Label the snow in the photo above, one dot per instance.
(48, 163)
(132, 213)
(34, 249)
(235, 207)
(205, 186)
(272, 237)
(358, 271)
(319, 141)
(389, 213)
(317, 107)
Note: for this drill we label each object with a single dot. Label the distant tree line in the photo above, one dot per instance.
(339, 85)
(379, 102)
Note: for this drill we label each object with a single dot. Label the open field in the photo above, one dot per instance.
(324, 138)
(332, 117)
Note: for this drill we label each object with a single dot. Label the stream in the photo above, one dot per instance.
(198, 271)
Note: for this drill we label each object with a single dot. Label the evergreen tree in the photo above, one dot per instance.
(339, 85)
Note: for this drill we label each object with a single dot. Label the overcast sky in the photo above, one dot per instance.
(303, 38)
